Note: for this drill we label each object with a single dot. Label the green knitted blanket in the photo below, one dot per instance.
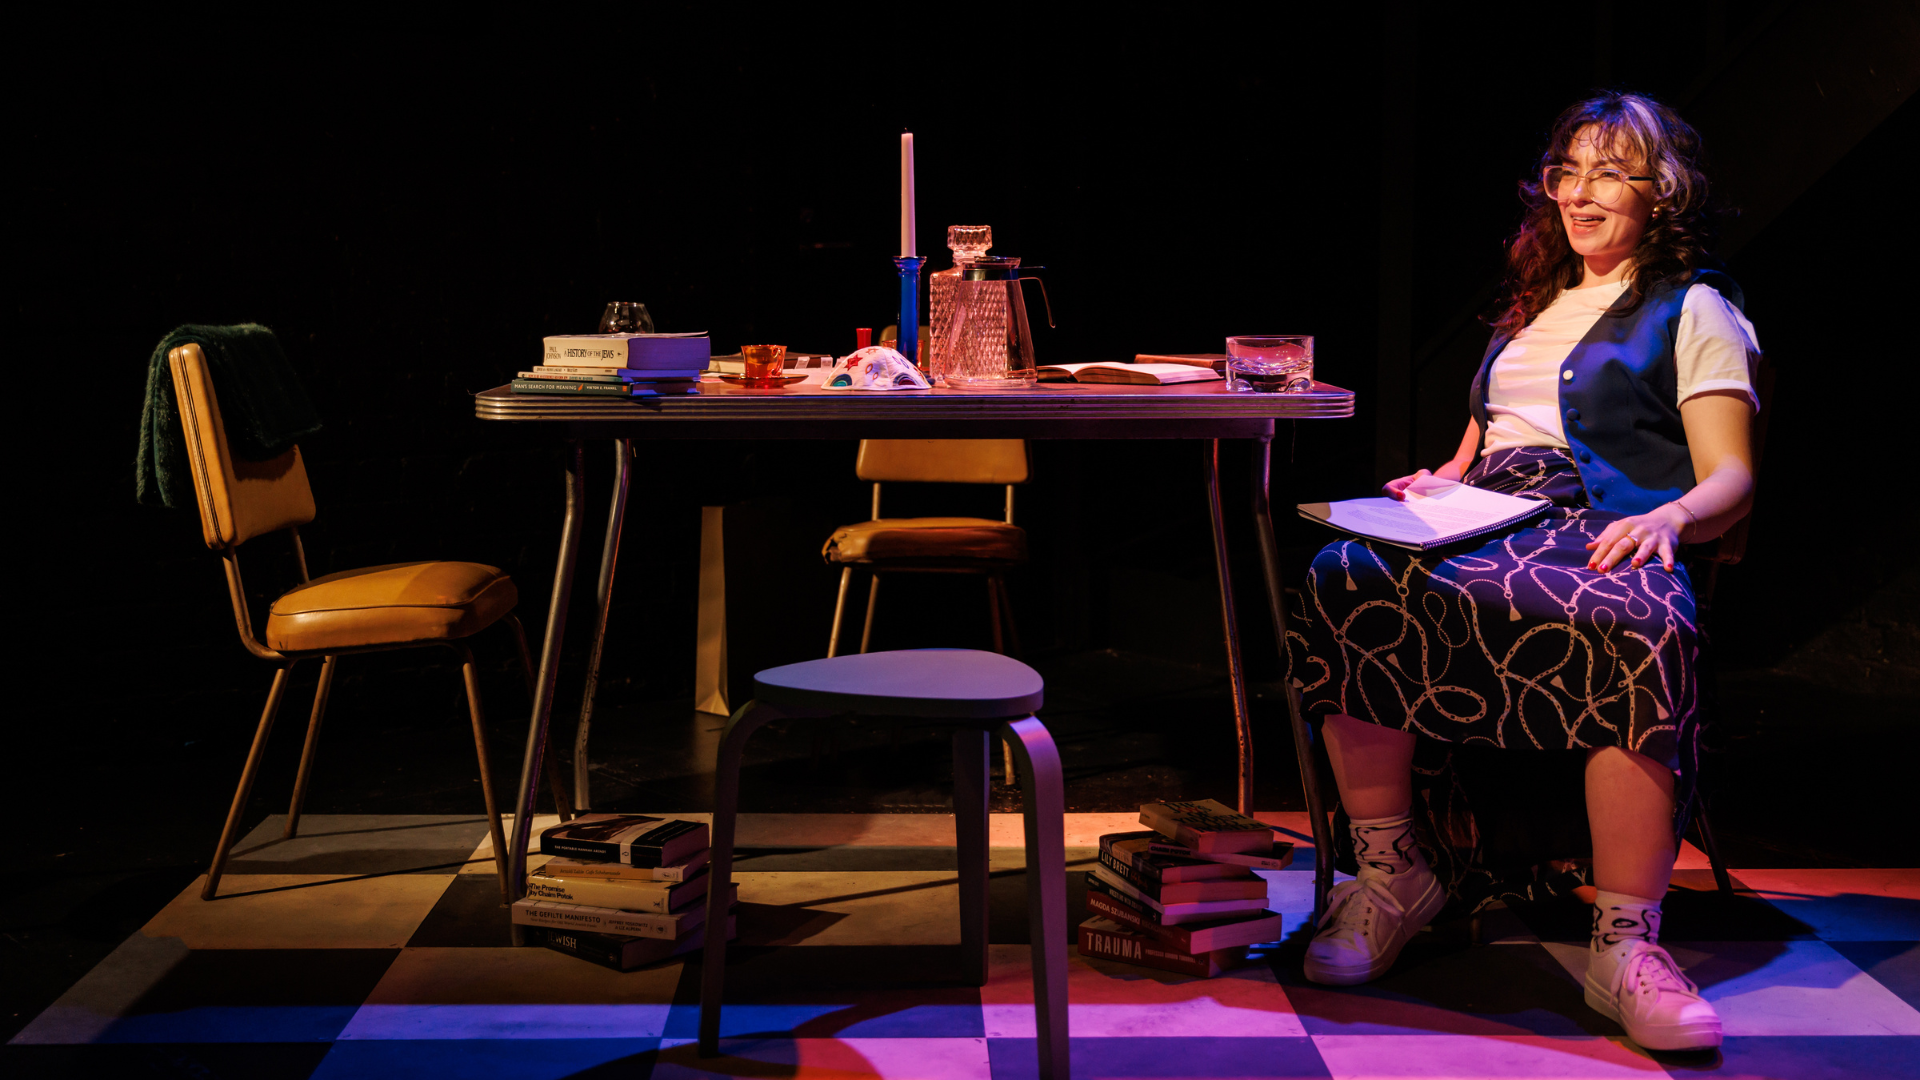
(262, 403)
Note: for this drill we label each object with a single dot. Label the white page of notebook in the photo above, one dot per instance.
(1437, 509)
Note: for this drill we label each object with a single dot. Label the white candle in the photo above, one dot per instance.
(907, 246)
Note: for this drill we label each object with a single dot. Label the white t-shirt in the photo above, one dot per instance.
(1713, 349)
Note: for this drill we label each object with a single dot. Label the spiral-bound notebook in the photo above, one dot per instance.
(1436, 513)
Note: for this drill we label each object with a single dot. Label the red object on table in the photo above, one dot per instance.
(863, 337)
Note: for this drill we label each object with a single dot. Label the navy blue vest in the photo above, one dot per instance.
(1618, 400)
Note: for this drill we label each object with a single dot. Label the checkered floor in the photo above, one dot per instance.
(376, 947)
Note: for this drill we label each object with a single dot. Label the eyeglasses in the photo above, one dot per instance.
(1603, 185)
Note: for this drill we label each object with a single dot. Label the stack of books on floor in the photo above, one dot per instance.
(618, 365)
(623, 890)
(1183, 896)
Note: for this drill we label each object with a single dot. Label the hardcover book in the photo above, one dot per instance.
(1250, 887)
(560, 866)
(657, 897)
(1135, 852)
(1109, 940)
(604, 920)
(638, 351)
(612, 374)
(1207, 826)
(622, 389)
(1216, 361)
(619, 952)
(633, 839)
(1190, 938)
(1136, 374)
(1191, 911)
(1279, 859)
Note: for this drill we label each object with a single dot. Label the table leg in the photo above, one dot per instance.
(1236, 673)
(609, 554)
(530, 764)
(1302, 734)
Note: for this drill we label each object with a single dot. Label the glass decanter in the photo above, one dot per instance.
(967, 242)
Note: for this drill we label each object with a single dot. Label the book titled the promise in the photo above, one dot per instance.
(1435, 514)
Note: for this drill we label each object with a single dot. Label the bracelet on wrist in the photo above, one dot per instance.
(1692, 521)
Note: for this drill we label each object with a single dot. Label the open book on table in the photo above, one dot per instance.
(1436, 513)
(1140, 374)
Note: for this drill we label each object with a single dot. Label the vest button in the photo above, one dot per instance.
(1585, 457)
(1599, 493)
(1566, 376)
(1573, 416)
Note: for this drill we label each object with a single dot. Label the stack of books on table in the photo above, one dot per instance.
(618, 365)
(623, 890)
(1183, 896)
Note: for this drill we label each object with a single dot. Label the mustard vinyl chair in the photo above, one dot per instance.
(378, 609)
(934, 545)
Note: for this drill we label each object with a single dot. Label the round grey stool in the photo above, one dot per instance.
(977, 693)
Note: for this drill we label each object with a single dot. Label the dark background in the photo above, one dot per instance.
(412, 201)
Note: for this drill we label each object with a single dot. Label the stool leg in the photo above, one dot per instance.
(726, 805)
(972, 782)
(1043, 799)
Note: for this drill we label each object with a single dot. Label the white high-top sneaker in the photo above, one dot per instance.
(1638, 986)
(1369, 920)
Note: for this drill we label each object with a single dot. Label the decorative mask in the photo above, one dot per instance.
(875, 367)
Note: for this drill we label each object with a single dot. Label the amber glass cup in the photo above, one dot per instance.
(765, 364)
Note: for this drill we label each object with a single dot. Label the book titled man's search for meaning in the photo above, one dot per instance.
(1435, 514)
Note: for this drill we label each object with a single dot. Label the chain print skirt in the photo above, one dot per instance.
(1512, 644)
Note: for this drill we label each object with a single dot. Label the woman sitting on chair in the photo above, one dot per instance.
(1619, 386)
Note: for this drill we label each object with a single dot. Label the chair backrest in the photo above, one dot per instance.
(239, 500)
(944, 461)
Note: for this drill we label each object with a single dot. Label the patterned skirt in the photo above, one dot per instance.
(1509, 645)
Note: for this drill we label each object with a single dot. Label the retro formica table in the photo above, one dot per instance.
(1065, 410)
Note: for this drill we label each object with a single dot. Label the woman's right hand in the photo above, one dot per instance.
(1397, 489)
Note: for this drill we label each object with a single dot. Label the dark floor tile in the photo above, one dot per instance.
(253, 995)
(848, 858)
(1831, 1057)
(1166, 1059)
(188, 1061)
(1445, 987)
(468, 915)
(837, 991)
(490, 1059)
(360, 844)
(1007, 920)
(1893, 964)
(1691, 912)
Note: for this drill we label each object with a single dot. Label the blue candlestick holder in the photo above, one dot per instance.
(909, 340)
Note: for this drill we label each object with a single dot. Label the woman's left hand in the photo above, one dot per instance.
(1638, 540)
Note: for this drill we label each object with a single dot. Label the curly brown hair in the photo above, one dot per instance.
(1679, 237)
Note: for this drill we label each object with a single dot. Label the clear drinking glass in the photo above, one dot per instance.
(626, 317)
(1270, 363)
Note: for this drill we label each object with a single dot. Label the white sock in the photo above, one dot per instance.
(1385, 845)
(1621, 917)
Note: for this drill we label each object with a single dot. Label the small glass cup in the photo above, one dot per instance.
(1270, 363)
(765, 365)
(626, 317)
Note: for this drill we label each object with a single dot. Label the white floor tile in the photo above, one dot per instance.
(1481, 1057)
